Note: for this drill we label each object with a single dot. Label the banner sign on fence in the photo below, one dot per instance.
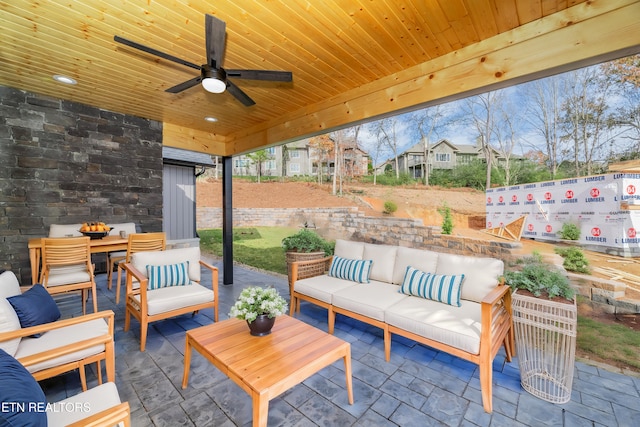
(606, 209)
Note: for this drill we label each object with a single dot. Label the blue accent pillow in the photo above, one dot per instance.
(356, 270)
(437, 287)
(162, 276)
(35, 307)
(23, 402)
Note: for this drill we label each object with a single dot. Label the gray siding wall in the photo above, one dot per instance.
(179, 194)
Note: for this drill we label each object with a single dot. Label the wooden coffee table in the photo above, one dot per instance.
(267, 366)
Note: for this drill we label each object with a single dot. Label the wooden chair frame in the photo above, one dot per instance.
(59, 252)
(107, 340)
(139, 309)
(140, 242)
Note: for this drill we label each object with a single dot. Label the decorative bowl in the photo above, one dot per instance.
(97, 234)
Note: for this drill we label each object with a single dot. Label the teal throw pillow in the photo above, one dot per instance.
(356, 270)
(437, 287)
(163, 276)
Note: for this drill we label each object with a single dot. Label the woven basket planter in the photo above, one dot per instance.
(545, 333)
(291, 256)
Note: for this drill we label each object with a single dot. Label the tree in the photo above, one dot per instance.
(285, 159)
(482, 110)
(322, 145)
(625, 76)
(585, 112)
(544, 101)
(258, 158)
(377, 148)
(427, 122)
(386, 133)
(506, 135)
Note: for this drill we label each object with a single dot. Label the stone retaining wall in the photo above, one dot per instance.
(352, 224)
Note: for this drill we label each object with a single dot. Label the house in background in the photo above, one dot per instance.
(442, 155)
(301, 158)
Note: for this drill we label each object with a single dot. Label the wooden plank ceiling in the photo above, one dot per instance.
(351, 59)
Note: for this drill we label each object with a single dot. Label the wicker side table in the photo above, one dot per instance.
(545, 333)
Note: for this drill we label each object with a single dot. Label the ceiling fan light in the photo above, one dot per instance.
(213, 85)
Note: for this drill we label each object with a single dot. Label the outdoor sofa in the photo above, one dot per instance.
(450, 302)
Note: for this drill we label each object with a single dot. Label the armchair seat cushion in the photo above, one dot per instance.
(91, 402)
(322, 287)
(65, 275)
(171, 298)
(370, 299)
(62, 336)
(458, 327)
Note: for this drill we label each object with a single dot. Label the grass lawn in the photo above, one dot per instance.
(260, 247)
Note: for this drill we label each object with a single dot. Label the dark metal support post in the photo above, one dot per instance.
(227, 222)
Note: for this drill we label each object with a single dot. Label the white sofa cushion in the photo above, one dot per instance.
(9, 321)
(174, 297)
(458, 327)
(348, 249)
(384, 259)
(370, 299)
(61, 337)
(83, 405)
(140, 260)
(423, 260)
(481, 275)
(321, 287)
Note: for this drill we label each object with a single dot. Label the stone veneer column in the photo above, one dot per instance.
(64, 162)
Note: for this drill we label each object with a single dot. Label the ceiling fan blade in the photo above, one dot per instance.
(239, 94)
(184, 85)
(154, 52)
(275, 76)
(215, 34)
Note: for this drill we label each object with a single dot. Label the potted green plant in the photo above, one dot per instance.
(305, 245)
(259, 307)
(545, 325)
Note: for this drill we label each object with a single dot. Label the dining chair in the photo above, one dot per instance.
(169, 285)
(66, 267)
(114, 258)
(140, 242)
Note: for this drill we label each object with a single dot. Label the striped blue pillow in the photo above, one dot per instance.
(356, 270)
(162, 276)
(435, 287)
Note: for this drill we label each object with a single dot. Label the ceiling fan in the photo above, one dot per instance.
(212, 76)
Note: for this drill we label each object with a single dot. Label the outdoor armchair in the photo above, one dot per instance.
(25, 404)
(60, 346)
(114, 258)
(169, 286)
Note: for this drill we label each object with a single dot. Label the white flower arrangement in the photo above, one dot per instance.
(254, 301)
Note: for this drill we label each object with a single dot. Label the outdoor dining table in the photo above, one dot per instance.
(106, 244)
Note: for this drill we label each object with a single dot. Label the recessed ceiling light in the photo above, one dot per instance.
(211, 119)
(64, 79)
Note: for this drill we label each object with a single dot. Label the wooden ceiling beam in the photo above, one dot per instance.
(584, 34)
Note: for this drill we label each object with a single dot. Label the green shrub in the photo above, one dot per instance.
(569, 231)
(307, 241)
(574, 259)
(447, 219)
(539, 278)
(390, 207)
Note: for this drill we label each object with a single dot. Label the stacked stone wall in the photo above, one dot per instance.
(65, 163)
(352, 224)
